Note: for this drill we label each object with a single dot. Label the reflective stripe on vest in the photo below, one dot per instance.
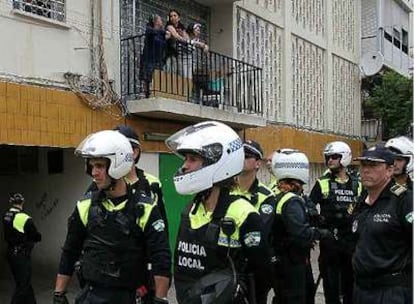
(283, 200)
(324, 183)
(84, 205)
(238, 210)
(152, 179)
(19, 221)
(263, 192)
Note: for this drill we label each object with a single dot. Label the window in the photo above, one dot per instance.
(51, 9)
(18, 160)
(387, 36)
(397, 38)
(404, 47)
(55, 161)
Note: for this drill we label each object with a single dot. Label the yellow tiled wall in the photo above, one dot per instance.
(312, 143)
(39, 116)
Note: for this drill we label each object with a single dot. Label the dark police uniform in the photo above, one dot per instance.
(263, 200)
(313, 218)
(382, 260)
(293, 237)
(114, 235)
(336, 201)
(147, 183)
(202, 245)
(151, 186)
(20, 234)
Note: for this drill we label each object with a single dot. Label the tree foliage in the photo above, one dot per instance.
(389, 97)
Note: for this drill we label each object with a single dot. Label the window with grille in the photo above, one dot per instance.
(404, 41)
(51, 9)
(397, 38)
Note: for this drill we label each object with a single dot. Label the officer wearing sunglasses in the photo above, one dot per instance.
(336, 193)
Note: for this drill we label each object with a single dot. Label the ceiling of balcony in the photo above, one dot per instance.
(170, 109)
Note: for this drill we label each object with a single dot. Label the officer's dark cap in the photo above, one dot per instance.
(378, 153)
(129, 133)
(253, 148)
(16, 198)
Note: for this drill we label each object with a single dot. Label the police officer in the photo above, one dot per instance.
(144, 183)
(403, 149)
(260, 196)
(273, 180)
(138, 178)
(293, 236)
(382, 260)
(113, 228)
(336, 192)
(218, 231)
(20, 234)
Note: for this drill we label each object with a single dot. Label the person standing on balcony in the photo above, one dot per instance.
(262, 199)
(176, 45)
(154, 51)
(197, 60)
(20, 234)
(336, 192)
(221, 235)
(403, 147)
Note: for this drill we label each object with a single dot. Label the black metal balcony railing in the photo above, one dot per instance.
(206, 78)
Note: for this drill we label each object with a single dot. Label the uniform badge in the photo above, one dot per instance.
(355, 226)
(266, 208)
(398, 189)
(252, 239)
(351, 208)
(159, 225)
(409, 217)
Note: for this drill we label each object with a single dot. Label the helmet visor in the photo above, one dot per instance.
(87, 149)
(188, 141)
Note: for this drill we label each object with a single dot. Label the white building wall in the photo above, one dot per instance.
(306, 48)
(369, 26)
(39, 50)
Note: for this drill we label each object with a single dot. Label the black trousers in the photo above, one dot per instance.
(335, 265)
(383, 295)
(20, 265)
(291, 282)
(104, 295)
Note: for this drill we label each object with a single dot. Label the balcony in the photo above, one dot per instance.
(192, 86)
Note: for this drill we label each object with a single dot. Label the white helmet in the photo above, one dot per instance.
(402, 146)
(219, 146)
(341, 148)
(111, 145)
(290, 163)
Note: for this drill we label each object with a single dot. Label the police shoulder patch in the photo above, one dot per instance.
(409, 217)
(252, 239)
(159, 225)
(398, 189)
(266, 208)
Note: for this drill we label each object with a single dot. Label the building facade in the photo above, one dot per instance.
(387, 28)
